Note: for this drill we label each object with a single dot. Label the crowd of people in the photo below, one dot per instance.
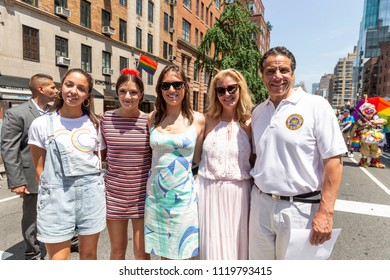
(262, 172)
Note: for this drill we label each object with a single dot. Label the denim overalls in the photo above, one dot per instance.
(71, 194)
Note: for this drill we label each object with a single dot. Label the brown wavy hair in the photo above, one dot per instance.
(89, 110)
(161, 105)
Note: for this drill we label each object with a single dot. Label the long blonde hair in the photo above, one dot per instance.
(244, 106)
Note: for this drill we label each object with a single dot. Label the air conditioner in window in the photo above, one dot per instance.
(62, 12)
(171, 30)
(171, 57)
(63, 61)
(108, 71)
(108, 30)
(173, 2)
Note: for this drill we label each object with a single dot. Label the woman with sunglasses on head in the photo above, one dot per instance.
(176, 134)
(65, 150)
(223, 180)
(129, 156)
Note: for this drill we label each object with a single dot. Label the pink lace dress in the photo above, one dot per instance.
(224, 185)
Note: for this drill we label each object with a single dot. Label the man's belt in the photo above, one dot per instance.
(296, 198)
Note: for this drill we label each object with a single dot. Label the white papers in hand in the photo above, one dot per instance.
(299, 247)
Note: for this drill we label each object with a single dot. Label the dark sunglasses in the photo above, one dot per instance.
(176, 85)
(221, 91)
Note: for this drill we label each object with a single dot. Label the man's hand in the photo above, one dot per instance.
(321, 228)
(20, 191)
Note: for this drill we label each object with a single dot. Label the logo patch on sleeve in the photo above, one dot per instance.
(294, 122)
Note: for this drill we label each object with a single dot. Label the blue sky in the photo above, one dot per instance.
(317, 32)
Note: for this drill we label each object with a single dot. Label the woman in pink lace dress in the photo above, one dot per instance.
(223, 179)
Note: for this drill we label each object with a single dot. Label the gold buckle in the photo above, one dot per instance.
(276, 197)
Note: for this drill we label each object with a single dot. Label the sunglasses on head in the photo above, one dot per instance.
(221, 91)
(176, 85)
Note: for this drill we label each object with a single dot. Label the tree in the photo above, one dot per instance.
(231, 40)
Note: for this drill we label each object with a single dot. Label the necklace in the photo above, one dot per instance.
(169, 127)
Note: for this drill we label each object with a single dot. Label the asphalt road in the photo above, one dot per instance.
(362, 213)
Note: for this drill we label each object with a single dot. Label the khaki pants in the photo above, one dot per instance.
(373, 149)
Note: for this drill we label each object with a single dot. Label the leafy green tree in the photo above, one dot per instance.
(233, 47)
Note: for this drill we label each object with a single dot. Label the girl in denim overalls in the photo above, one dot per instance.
(71, 190)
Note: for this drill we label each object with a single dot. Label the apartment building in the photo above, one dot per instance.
(342, 80)
(98, 36)
(383, 84)
(103, 37)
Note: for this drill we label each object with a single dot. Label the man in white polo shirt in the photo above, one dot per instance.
(298, 169)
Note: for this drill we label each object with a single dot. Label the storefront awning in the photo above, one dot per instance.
(14, 88)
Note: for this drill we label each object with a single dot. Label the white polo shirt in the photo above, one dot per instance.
(292, 141)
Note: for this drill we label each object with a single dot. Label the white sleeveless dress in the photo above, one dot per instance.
(224, 185)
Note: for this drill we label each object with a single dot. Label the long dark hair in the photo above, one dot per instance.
(89, 110)
(161, 105)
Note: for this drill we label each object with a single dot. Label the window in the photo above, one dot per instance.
(187, 3)
(61, 3)
(150, 79)
(165, 50)
(195, 101)
(86, 58)
(170, 49)
(85, 14)
(196, 73)
(150, 11)
(106, 59)
(61, 47)
(150, 43)
(123, 62)
(31, 2)
(106, 18)
(30, 43)
(171, 22)
(138, 38)
(207, 15)
(197, 8)
(186, 29)
(166, 24)
(204, 102)
(217, 5)
(211, 19)
(252, 7)
(196, 37)
(205, 77)
(138, 7)
(122, 30)
(201, 11)
(123, 2)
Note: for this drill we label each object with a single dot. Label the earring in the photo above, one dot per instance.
(86, 105)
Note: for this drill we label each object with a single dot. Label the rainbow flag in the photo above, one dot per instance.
(147, 64)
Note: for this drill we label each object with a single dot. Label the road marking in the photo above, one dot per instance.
(5, 255)
(372, 177)
(372, 209)
(385, 156)
(8, 198)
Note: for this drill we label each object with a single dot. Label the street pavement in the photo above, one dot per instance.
(362, 213)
